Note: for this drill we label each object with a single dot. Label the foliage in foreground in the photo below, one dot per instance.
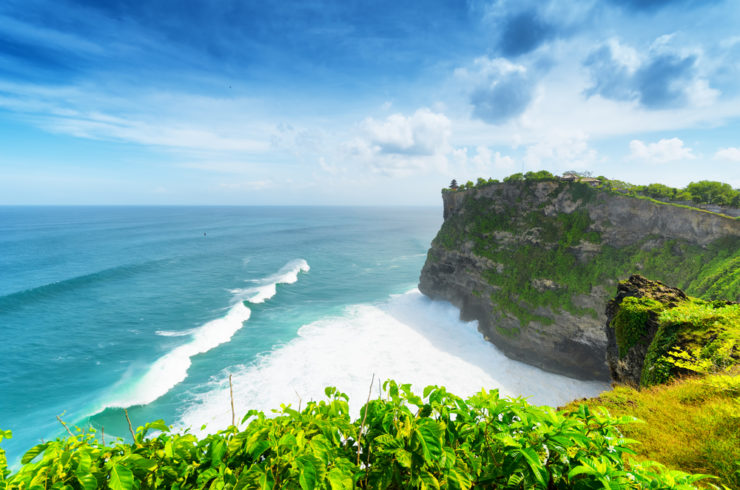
(404, 441)
(691, 424)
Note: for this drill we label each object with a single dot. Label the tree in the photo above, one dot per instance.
(541, 175)
(660, 191)
(514, 177)
(710, 192)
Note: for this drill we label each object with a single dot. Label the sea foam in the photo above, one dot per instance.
(267, 288)
(172, 368)
(408, 338)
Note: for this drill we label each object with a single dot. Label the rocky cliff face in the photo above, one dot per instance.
(535, 262)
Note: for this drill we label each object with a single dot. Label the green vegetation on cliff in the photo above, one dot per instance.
(403, 441)
(692, 337)
(547, 259)
(703, 192)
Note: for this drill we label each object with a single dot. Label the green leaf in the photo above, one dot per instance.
(388, 441)
(121, 478)
(205, 476)
(249, 414)
(431, 436)
(158, 425)
(138, 462)
(259, 447)
(87, 482)
(428, 390)
(33, 452)
(168, 452)
(429, 480)
(83, 462)
(534, 462)
(218, 451)
(308, 472)
(403, 457)
(340, 480)
(458, 479)
(578, 470)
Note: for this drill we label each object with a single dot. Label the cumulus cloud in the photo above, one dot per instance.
(503, 90)
(657, 80)
(665, 150)
(400, 145)
(422, 133)
(482, 162)
(731, 154)
(561, 152)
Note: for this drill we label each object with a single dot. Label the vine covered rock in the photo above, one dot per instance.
(656, 332)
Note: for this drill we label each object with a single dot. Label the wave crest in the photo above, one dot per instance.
(172, 368)
(267, 287)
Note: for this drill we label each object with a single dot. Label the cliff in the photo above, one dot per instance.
(535, 261)
(656, 333)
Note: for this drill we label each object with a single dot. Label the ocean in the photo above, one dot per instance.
(153, 308)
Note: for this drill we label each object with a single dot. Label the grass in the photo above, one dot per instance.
(691, 424)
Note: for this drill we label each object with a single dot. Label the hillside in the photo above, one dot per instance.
(535, 261)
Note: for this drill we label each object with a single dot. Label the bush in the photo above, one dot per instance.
(437, 440)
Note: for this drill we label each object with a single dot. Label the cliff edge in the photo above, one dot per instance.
(534, 262)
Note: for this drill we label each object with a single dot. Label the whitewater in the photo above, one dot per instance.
(152, 309)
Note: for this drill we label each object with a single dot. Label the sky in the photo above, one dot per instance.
(317, 102)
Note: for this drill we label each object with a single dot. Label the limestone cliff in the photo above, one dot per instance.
(536, 261)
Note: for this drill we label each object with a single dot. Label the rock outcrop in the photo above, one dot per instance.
(535, 262)
(656, 332)
(626, 367)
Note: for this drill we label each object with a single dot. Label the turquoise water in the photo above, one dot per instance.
(152, 308)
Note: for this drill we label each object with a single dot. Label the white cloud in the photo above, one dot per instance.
(423, 133)
(399, 145)
(103, 127)
(626, 55)
(561, 152)
(732, 154)
(665, 150)
(485, 159)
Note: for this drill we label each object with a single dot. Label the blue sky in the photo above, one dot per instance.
(369, 103)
